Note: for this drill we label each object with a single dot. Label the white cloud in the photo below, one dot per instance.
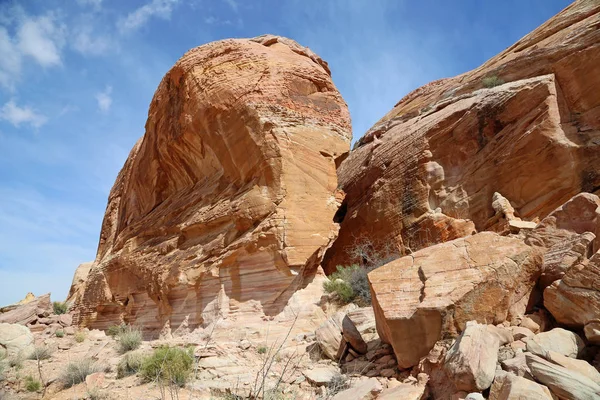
(21, 115)
(104, 99)
(139, 17)
(42, 39)
(10, 62)
(87, 43)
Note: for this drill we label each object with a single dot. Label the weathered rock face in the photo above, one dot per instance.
(441, 153)
(26, 311)
(227, 202)
(422, 298)
(575, 299)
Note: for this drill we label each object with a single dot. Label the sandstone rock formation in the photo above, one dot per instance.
(575, 299)
(28, 311)
(227, 202)
(437, 158)
(422, 298)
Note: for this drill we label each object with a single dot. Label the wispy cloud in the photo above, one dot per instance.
(42, 39)
(87, 42)
(139, 17)
(16, 115)
(104, 99)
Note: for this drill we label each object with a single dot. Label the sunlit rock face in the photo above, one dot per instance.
(226, 204)
(428, 170)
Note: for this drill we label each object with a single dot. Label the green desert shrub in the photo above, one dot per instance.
(60, 307)
(77, 371)
(40, 353)
(60, 333)
(261, 349)
(130, 364)
(492, 81)
(130, 338)
(16, 362)
(79, 337)
(115, 330)
(342, 282)
(168, 365)
(32, 384)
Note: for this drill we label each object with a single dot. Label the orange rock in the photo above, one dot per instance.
(226, 204)
(26, 312)
(446, 148)
(431, 294)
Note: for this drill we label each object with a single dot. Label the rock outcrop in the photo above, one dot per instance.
(434, 162)
(430, 295)
(227, 202)
(27, 311)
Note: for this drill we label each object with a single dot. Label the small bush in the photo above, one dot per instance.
(115, 330)
(16, 362)
(79, 337)
(129, 339)
(60, 333)
(170, 365)
(96, 394)
(60, 307)
(77, 371)
(492, 81)
(337, 384)
(261, 349)
(341, 282)
(40, 353)
(32, 384)
(130, 364)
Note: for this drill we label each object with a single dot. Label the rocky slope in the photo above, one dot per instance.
(227, 202)
(427, 171)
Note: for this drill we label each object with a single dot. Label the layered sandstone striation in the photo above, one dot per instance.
(227, 202)
(428, 170)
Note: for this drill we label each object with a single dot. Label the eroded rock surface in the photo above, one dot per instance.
(226, 204)
(437, 158)
(422, 298)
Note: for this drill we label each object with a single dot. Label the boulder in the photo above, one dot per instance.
(365, 389)
(575, 299)
(520, 332)
(517, 366)
(227, 202)
(329, 335)
(563, 255)
(26, 312)
(351, 334)
(461, 142)
(510, 387)
(471, 361)
(564, 383)
(433, 293)
(16, 339)
(558, 340)
(320, 376)
(475, 396)
(563, 226)
(405, 391)
(592, 332)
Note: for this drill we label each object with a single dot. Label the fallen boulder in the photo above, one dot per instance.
(564, 383)
(432, 294)
(471, 361)
(16, 339)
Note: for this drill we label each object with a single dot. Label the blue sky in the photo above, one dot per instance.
(77, 76)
